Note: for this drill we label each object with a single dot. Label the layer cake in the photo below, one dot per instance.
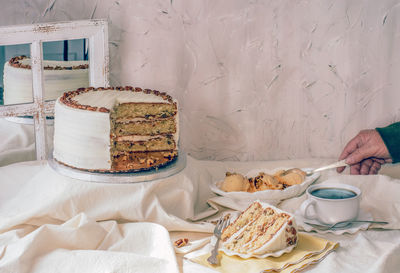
(120, 129)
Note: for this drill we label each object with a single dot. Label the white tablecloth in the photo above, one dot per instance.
(17, 140)
(52, 223)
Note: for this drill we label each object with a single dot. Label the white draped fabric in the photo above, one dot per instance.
(51, 221)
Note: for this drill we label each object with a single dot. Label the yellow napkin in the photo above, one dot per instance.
(309, 250)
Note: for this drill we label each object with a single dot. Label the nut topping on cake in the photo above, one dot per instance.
(181, 242)
(16, 62)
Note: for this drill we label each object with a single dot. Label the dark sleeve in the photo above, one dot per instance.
(391, 138)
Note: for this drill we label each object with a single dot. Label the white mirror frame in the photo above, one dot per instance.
(94, 30)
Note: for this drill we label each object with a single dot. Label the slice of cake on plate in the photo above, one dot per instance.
(259, 230)
(118, 129)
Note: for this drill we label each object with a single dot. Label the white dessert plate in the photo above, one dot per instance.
(351, 228)
(246, 256)
(272, 196)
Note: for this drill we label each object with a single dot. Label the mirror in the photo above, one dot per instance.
(65, 68)
(59, 53)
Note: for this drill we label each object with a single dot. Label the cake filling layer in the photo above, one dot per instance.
(153, 144)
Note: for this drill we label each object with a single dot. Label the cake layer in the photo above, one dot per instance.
(144, 110)
(151, 127)
(59, 76)
(151, 144)
(141, 160)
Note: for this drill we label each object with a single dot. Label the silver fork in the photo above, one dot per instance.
(219, 227)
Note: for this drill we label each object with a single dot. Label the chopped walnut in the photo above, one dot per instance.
(181, 242)
(142, 160)
(150, 161)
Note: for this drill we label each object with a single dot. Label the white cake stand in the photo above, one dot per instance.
(121, 178)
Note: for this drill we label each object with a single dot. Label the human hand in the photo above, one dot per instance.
(365, 153)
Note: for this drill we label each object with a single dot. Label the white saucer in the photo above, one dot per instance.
(351, 228)
(261, 256)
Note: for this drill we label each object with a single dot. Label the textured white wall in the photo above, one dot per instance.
(256, 80)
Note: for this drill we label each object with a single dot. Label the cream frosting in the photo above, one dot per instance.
(18, 81)
(108, 98)
(82, 137)
(135, 138)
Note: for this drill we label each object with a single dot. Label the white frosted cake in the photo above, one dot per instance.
(259, 230)
(59, 76)
(118, 129)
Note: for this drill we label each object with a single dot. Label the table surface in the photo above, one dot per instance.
(38, 206)
(34, 196)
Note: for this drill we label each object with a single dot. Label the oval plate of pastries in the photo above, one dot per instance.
(267, 185)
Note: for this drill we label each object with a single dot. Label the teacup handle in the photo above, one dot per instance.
(304, 209)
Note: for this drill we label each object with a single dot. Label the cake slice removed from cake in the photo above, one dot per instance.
(259, 230)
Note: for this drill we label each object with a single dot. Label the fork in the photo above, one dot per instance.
(219, 227)
(339, 224)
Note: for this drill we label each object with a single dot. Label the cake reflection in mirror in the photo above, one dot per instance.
(65, 68)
